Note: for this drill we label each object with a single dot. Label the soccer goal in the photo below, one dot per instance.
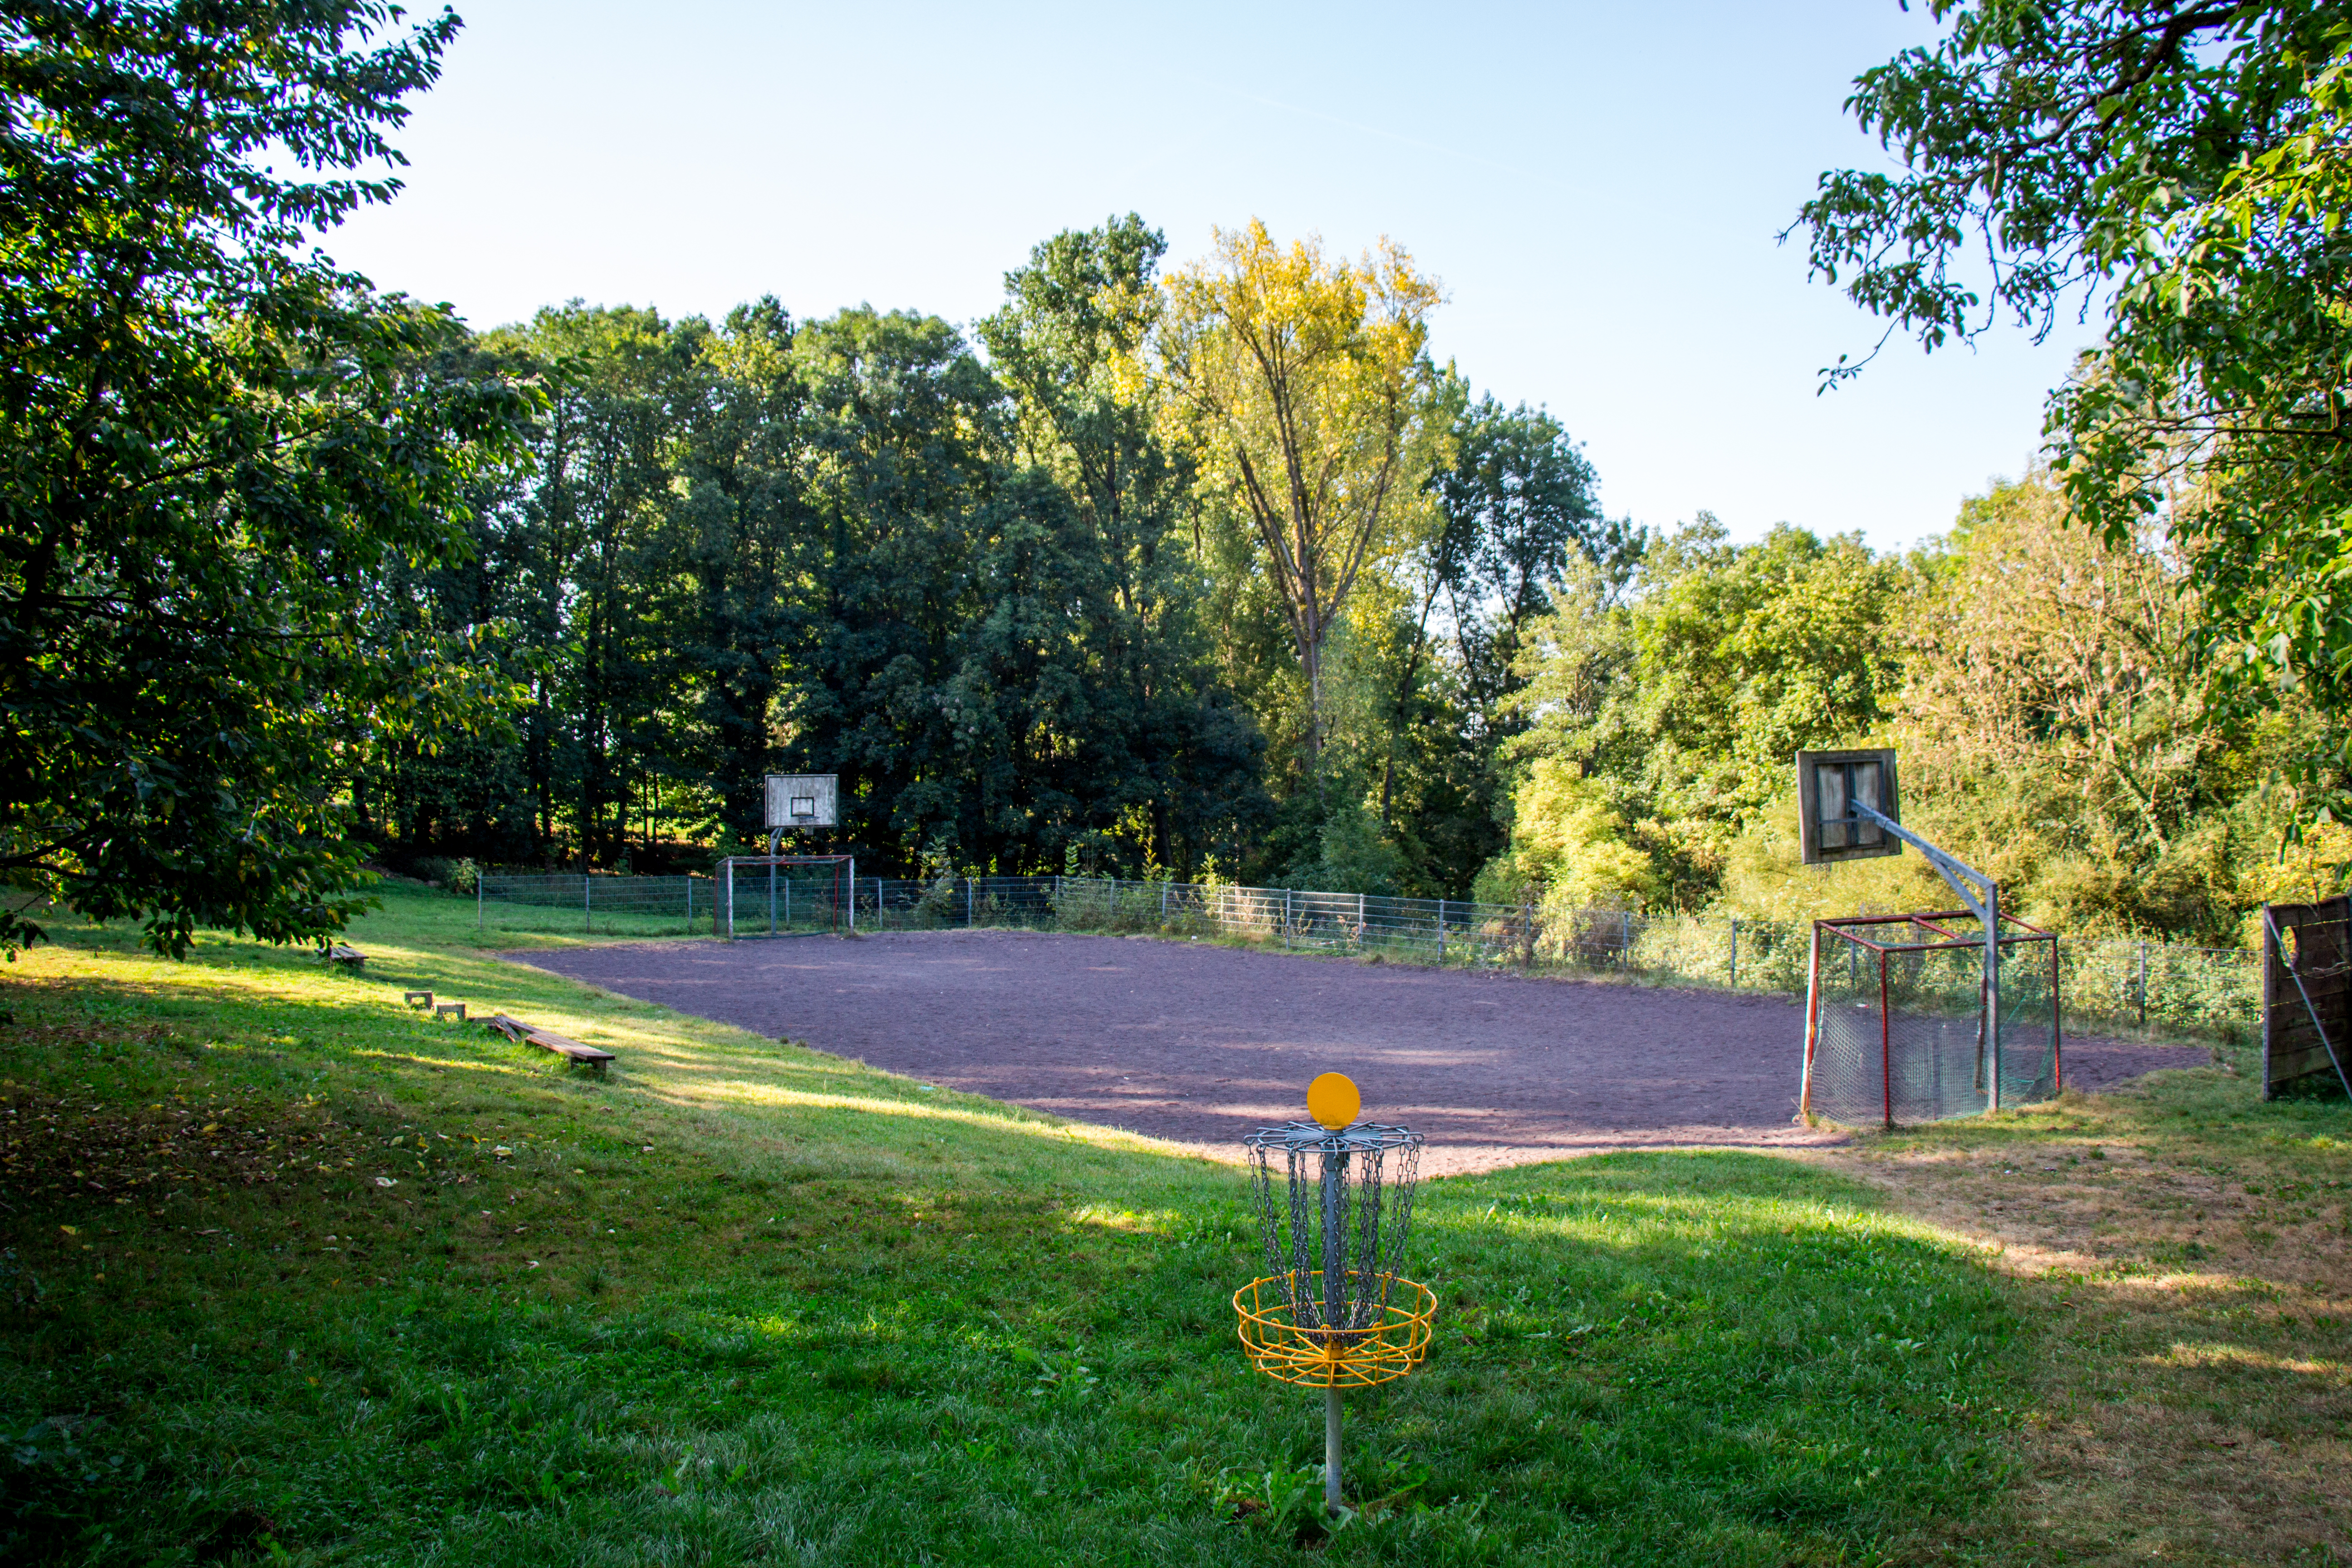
(786, 895)
(1920, 1016)
(1898, 1018)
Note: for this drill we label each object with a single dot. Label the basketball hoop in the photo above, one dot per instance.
(798, 802)
(1847, 809)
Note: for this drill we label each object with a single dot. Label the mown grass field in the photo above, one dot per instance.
(292, 1273)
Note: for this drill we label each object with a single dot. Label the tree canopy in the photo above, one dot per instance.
(1303, 384)
(2182, 168)
(1211, 575)
(214, 445)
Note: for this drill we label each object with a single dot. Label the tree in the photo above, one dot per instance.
(1166, 741)
(2053, 716)
(1682, 702)
(1304, 385)
(1516, 503)
(2184, 166)
(600, 570)
(213, 442)
(739, 507)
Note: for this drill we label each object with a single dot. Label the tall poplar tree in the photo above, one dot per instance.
(1302, 383)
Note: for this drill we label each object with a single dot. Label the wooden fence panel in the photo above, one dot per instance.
(2306, 991)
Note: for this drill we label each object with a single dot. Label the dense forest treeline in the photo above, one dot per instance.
(2049, 692)
(996, 585)
(1209, 570)
(1020, 590)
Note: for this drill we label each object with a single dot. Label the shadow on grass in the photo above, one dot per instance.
(747, 1303)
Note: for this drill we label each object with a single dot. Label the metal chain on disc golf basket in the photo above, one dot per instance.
(1333, 1312)
(1347, 1216)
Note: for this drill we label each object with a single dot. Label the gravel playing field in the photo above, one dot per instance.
(1200, 1044)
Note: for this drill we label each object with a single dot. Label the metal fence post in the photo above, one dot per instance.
(1625, 938)
(2143, 986)
(967, 902)
(1992, 989)
(478, 900)
(690, 903)
(1735, 953)
(1285, 918)
(1813, 1024)
(1440, 931)
(587, 903)
(1886, 1046)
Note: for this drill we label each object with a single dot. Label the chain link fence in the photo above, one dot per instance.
(2108, 985)
(604, 906)
(1898, 1012)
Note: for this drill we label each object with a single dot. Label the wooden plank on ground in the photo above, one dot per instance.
(549, 1040)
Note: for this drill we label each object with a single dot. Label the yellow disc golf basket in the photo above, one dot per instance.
(1334, 1313)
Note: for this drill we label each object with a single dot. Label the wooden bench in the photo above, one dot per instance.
(549, 1040)
(449, 1009)
(343, 953)
(417, 998)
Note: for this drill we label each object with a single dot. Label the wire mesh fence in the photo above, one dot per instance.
(2106, 985)
(783, 897)
(1899, 1020)
(607, 906)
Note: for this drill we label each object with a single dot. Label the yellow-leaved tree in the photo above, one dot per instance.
(1304, 388)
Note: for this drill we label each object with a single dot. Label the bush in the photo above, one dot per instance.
(457, 875)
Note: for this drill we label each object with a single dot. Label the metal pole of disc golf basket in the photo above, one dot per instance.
(1333, 1313)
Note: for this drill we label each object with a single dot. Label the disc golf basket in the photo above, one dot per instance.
(1899, 1008)
(1333, 1313)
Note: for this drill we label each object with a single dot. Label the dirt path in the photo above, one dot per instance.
(1199, 1044)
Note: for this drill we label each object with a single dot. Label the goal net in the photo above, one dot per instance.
(1895, 1025)
(786, 895)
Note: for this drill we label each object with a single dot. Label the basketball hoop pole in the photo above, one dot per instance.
(1981, 894)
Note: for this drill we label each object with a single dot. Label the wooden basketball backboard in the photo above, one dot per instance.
(1827, 784)
(801, 799)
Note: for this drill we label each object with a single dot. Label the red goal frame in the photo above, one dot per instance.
(840, 894)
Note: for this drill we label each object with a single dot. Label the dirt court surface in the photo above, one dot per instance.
(1199, 1044)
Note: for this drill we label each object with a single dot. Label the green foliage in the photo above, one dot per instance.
(844, 546)
(217, 448)
(1304, 389)
(1668, 715)
(2185, 168)
(2044, 684)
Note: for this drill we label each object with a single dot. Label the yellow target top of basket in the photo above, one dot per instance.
(1332, 1100)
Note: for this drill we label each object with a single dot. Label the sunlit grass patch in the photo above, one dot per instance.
(742, 1301)
(2186, 1254)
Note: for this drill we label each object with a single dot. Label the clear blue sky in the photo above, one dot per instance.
(1598, 186)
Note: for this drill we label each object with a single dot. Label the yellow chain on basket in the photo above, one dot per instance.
(1333, 1358)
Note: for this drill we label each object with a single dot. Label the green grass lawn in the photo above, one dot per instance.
(2184, 1252)
(293, 1273)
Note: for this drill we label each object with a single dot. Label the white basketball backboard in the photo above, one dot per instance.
(801, 799)
(1827, 782)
